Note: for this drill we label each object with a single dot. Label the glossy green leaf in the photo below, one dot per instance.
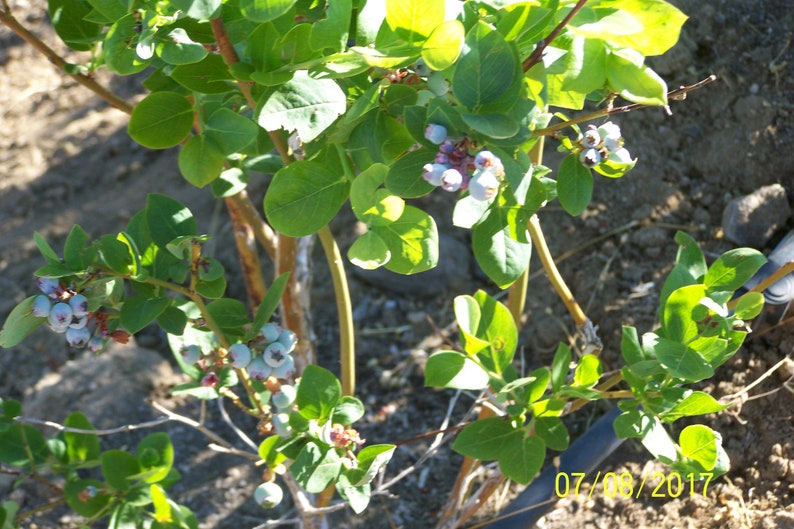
(522, 458)
(468, 315)
(139, 311)
(265, 10)
(412, 240)
(699, 443)
(371, 459)
(696, 403)
(451, 369)
(678, 359)
(20, 323)
(68, 18)
(348, 410)
(733, 269)
(371, 204)
(501, 257)
(588, 371)
(318, 393)
(303, 104)
(316, 468)
(443, 47)
(574, 185)
(414, 20)
(177, 48)
(369, 251)
(678, 321)
(161, 120)
(750, 305)
(201, 160)
(585, 65)
(634, 81)
(80, 447)
(168, 219)
(487, 439)
(486, 68)
(304, 197)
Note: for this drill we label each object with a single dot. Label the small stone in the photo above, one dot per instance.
(751, 220)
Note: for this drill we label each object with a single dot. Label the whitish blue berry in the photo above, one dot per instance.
(190, 354)
(591, 138)
(609, 130)
(288, 339)
(421, 68)
(285, 370)
(483, 185)
(436, 133)
(78, 337)
(268, 495)
(612, 144)
(590, 158)
(48, 285)
(433, 173)
(270, 331)
(258, 369)
(281, 425)
(240, 355)
(275, 354)
(41, 306)
(621, 155)
(79, 304)
(438, 84)
(60, 317)
(451, 180)
(78, 322)
(285, 397)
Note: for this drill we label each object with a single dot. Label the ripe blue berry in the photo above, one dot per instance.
(288, 339)
(78, 322)
(483, 185)
(78, 337)
(433, 173)
(79, 304)
(436, 133)
(258, 369)
(590, 158)
(190, 354)
(275, 354)
(240, 355)
(41, 306)
(270, 331)
(268, 495)
(285, 397)
(451, 180)
(591, 138)
(285, 370)
(60, 317)
(48, 285)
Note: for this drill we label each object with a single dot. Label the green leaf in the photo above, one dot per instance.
(45, 249)
(371, 459)
(487, 439)
(522, 458)
(139, 311)
(635, 82)
(574, 185)
(211, 289)
(357, 496)
(318, 393)
(501, 257)
(348, 410)
(405, 175)
(733, 269)
(75, 254)
(178, 48)
(80, 447)
(119, 467)
(119, 47)
(81, 502)
(269, 305)
(332, 31)
(229, 314)
(633, 424)
(111, 10)
(553, 432)
(20, 323)
(588, 371)
(265, 10)
(486, 68)
(678, 322)
(115, 253)
(697, 403)
(492, 125)
(369, 251)
(451, 369)
(229, 183)
(316, 468)
(209, 76)
(658, 442)
(496, 326)
(468, 315)
(201, 160)
(414, 20)
(412, 240)
(749, 306)
(560, 367)
(172, 320)
(230, 131)
(630, 347)
(443, 47)
(197, 9)
(68, 18)
(678, 359)
(161, 120)
(303, 197)
(268, 451)
(156, 456)
(168, 219)
(303, 104)
(371, 204)
(699, 443)
(19, 443)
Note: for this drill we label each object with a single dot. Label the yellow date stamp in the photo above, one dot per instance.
(626, 485)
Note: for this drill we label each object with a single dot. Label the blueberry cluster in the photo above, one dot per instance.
(602, 143)
(67, 313)
(455, 168)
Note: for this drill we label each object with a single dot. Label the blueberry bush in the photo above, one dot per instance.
(371, 103)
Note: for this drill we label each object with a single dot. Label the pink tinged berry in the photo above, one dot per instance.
(268, 495)
(258, 369)
(190, 354)
(78, 337)
(48, 285)
(446, 148)
(41, 306)
(210, 380)
(60, 317)
(270, 331)
(281, 424)
(441, 158)
(451, 180)
(79, 304)
(590, 158)
(433, 173)
(78, 322)
(436, 133)
(275, 354)
(591, 138)
(285, 397)
(285, 370)
(621, 155)
(483, 185)
(488, 160)
(240, 355)
(95, 344)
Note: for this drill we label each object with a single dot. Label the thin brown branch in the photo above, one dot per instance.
(537, 53)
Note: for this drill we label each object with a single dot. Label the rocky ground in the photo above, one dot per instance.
(65, 158)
